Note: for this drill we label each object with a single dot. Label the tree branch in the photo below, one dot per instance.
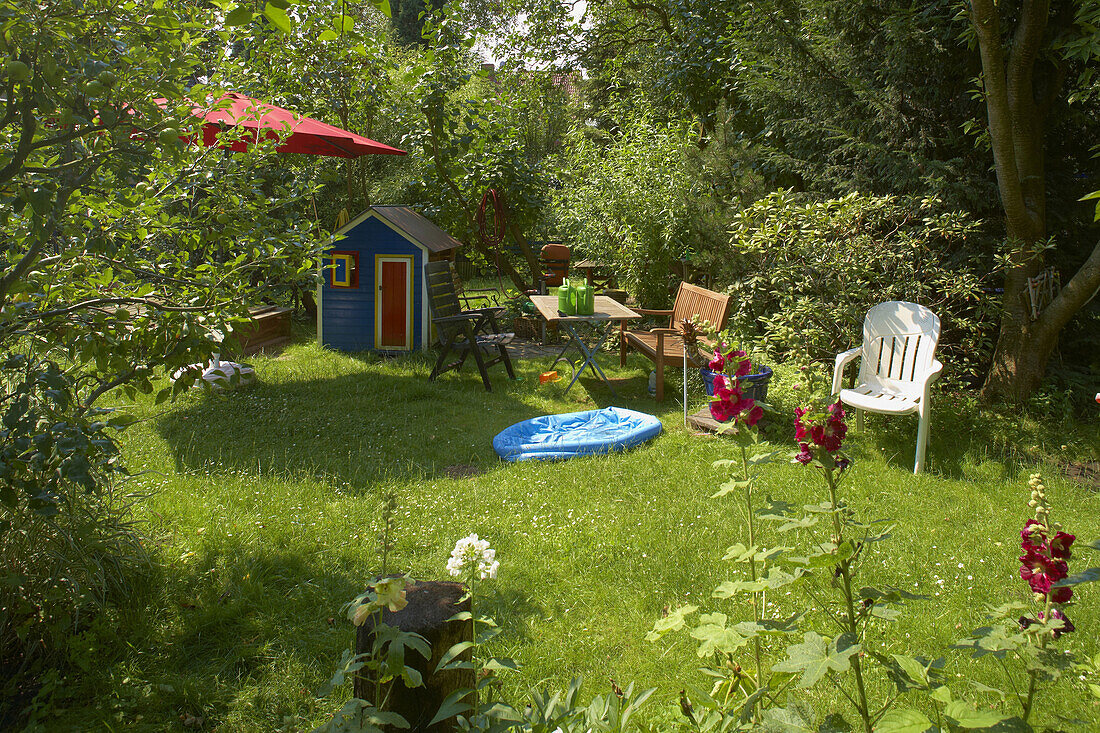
(1081, 288)
(28, 126)
(661, 13)
(35, 250)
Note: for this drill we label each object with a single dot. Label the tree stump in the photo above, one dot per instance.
(431, 603)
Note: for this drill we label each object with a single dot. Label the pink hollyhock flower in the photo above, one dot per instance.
(722, 410)
(1040, 571)
(754, 415)
(718, 363)
(744, 366)
(1059, 546)
(804, 456)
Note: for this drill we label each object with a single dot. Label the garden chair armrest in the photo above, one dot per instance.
(932, 375)
(842, 361)
(464, 316)
(491, 311)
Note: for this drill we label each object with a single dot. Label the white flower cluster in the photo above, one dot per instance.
(474, 556)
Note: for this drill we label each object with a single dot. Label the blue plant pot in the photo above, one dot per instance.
(753, 386)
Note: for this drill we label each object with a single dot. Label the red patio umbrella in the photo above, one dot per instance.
(298, 134)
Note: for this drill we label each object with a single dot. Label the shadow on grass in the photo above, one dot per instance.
(963, 433)
(236, 621)
(352, 430)
(238, 609)
(386, 421)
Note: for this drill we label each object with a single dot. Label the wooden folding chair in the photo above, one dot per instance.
(465, 331)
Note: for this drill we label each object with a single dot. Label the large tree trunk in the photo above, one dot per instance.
(1016, 134)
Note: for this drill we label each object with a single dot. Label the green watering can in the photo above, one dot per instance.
(585, 299)
(567, 302)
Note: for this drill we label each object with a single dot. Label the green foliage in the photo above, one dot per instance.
(381, 665)
(631, 201)
(804, 274)
(337, 65)
(127, 254)
(473, 131)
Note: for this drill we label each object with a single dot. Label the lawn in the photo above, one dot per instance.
(263, 510)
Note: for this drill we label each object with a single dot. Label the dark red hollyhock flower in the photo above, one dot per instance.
(1059, 546)
(1067, 625)
(1040, 571)
(1033, 534)
(800, 431)
(1061, 595)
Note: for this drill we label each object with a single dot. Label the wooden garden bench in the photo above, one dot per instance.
(663, 346)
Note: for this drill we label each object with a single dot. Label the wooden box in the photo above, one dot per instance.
(268, 331)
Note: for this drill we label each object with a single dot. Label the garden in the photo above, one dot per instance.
(180, 553)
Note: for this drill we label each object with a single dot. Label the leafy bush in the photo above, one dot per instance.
(68, 547)
(803, 274)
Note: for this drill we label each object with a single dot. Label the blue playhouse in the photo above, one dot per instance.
(373, 294)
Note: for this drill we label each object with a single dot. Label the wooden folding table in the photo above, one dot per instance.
(608, 312)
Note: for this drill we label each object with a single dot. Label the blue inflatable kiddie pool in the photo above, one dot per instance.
(557, 437)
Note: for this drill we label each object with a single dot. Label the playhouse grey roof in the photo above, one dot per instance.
(417, 227)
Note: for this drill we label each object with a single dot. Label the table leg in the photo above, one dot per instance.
(568, 344)
(589, 354)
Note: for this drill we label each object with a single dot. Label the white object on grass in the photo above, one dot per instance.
(219, 374)
(897, 366)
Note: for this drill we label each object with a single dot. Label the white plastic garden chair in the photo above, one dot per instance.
(897, 366)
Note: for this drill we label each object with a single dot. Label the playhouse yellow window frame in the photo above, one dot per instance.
(351, 270)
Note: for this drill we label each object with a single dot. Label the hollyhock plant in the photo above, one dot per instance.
(1029, 638)
(820, 433)
(729, 401)
(1044, 562)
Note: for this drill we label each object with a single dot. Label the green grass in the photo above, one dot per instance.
(263, 511)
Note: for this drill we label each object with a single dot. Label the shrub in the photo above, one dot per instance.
(68, 545)
(803, 274)
(631, 204)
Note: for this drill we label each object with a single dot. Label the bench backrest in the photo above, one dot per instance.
(692, 300)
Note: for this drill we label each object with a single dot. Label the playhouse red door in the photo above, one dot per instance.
(393, 313)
